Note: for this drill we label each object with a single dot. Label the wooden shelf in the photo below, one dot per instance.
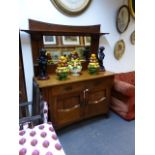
(42, 28)
(62, 33)
(63, 46)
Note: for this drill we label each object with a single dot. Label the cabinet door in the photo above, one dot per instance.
(67, 108)
(96, 102)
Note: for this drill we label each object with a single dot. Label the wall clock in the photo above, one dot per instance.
(123, 18)
(131, 4)
(71, 7)
(119, 49)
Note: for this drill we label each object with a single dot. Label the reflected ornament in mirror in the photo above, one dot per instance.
(86, 53)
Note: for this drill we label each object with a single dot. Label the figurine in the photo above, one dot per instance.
(93, 66)
(74, 64)
(62, 68)
(43, 64)
(62, 62)
(49, 58)
(101, 56)
(74, 55)
(86, 53)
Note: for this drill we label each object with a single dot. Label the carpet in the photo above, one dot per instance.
(99, 136)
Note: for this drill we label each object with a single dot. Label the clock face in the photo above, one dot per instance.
(71, 7)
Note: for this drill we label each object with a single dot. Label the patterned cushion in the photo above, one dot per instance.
(40, 140)
(128, 77)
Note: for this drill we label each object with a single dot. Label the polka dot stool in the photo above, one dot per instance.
(40, 140)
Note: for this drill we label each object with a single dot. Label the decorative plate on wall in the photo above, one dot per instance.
(131, 4)
(123, 19)
(71, 7)
(119, 49)
(132, 38)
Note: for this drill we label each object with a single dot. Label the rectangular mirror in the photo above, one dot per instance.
(57, 46)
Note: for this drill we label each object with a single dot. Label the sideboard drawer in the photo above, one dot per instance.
(99, 84)
(69, 88)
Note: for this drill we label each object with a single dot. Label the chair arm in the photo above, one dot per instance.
(124, 88)
(29, 120)
(23, 104)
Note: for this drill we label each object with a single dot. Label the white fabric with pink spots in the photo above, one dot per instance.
(41, 140)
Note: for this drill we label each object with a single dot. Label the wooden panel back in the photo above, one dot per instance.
(38, 25)
(42, 27)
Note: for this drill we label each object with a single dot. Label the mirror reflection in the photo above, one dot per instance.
(57, 46)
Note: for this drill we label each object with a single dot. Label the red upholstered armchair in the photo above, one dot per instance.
(123, 95)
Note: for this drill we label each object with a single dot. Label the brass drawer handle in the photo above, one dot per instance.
(69, 109)
(98, 101)
(84, 96)
(84, 93)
